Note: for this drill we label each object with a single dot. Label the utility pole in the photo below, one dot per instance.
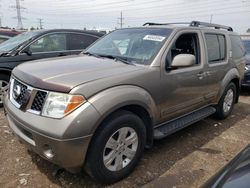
(19, 17)
(1, 14)
(121, 20)
(40, 21)
(211, 18)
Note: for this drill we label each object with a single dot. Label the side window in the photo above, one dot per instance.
(216, 47)
(238, 50)
(80, 41)
(185, 44)
(49, 43)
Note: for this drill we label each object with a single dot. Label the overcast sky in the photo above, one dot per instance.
(105, 13)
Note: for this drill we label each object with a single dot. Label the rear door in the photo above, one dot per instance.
(217, 54)
(80, 41)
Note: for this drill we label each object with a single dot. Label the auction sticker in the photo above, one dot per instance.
(154, 38)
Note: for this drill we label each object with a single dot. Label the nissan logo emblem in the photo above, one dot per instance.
(16, 91)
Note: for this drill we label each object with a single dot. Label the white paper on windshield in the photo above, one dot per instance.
(154, 38)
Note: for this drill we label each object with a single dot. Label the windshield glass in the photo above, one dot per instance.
(137, 45)
(16, 41)
(247, 45)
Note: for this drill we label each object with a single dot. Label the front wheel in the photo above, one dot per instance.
(4, 85)
(116, 148)
(226, 103)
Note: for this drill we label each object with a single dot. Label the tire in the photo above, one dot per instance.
(226, 103)
(4, 85)
(98, 151)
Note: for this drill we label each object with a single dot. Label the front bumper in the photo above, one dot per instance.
(246, 81)
(68, 152)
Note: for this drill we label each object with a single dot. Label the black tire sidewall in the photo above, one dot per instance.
(6, 78)
(220, 112)
(95, 163)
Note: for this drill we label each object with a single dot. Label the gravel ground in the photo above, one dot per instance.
(170, 162)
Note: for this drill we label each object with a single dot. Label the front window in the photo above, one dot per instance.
(247, 45)
(49, 43)
(137, 45)
(16, 41)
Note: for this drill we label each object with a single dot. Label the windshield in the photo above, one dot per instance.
(247, 45)
(137, 45)
(16, 41)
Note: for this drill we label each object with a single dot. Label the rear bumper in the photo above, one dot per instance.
(67, 153)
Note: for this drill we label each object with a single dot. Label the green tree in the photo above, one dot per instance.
(248, 31)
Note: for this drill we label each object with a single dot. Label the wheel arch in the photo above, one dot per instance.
(128, 98)
(234, 77)
(5, 71)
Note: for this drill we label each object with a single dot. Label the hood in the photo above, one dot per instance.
(63, 74)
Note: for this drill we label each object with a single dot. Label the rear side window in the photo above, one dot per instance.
(238, 50)
(80, 41)
(216, 47)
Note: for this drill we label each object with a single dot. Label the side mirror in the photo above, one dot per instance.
(183, 60)
(27, 51)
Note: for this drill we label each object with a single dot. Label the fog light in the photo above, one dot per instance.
(48, 152)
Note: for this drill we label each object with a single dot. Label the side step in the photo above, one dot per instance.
(182, 122)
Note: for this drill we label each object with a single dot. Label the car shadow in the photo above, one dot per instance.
(157, 160)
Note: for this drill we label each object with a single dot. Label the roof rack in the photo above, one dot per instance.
(205, 24)
(194, 24)
(151, 23)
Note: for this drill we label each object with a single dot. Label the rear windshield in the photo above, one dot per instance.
(137, 45)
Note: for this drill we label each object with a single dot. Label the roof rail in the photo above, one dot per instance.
(205, 24)
(151, 23)
(193, 24)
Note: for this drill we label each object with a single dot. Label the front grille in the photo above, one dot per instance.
(20, 99)
(26, 97)
(39, 101)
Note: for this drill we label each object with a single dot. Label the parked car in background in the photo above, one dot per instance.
(99, 110)
(40, 44)
(6, 34)
(235, 174)
(246, 42)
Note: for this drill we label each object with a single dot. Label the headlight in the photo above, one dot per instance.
(247, 68)
(57, 105)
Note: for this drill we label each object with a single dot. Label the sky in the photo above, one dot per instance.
(104, 14)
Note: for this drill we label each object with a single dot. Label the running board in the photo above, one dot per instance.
(182, 122)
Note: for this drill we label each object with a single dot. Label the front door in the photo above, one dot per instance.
(47, 46)
(183, 89)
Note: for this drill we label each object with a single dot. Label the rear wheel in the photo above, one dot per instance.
(226, 103)
(116, 148)
(4, 85)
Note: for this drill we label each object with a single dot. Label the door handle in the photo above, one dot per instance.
(200, 75)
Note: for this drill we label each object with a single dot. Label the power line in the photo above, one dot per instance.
(134, 6)
(121, 20)
(186, 12)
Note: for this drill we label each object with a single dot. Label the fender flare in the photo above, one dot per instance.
(110, 100)
(232, 74)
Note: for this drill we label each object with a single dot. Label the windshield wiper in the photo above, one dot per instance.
(91, 54)
(4, 54)
(116, 58)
